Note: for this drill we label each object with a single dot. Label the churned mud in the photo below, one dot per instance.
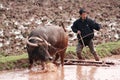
(68, 72)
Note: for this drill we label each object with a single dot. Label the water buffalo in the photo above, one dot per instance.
(45, 42)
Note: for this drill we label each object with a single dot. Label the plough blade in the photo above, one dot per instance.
(87, 62)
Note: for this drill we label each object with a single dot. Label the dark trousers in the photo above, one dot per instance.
(90, 45)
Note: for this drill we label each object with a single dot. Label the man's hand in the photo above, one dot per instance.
(78, 32)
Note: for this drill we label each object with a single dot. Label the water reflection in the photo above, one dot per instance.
(85, 73)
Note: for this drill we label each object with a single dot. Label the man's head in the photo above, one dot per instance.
(82, 13)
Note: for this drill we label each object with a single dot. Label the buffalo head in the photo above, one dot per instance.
(38, 49)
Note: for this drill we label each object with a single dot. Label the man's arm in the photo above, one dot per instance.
(95, 25)
(74, 27)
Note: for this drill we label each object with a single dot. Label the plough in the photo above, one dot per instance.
(87, 63)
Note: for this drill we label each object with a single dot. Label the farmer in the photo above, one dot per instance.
(84, 27)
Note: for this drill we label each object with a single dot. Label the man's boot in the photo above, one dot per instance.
(80, 56)
(96, 56)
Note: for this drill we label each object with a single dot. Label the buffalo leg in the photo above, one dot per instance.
(62, 55)
(29, 50)
(30, 60)
(30, 63)
(56, 58)
(43, 65)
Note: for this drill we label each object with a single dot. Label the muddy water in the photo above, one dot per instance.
(70, 72)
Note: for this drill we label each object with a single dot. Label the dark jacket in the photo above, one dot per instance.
(86, 27)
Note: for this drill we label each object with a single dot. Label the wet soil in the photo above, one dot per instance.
(71, 72)
(19, 17)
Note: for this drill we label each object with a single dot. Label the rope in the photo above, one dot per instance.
(86, 35)
(53, 46)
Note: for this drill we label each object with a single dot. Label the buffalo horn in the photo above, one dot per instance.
(33, 44)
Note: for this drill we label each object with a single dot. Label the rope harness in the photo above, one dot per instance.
(59, 50)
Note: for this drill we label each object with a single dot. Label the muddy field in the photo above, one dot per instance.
(19, 17)
(71, 72)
